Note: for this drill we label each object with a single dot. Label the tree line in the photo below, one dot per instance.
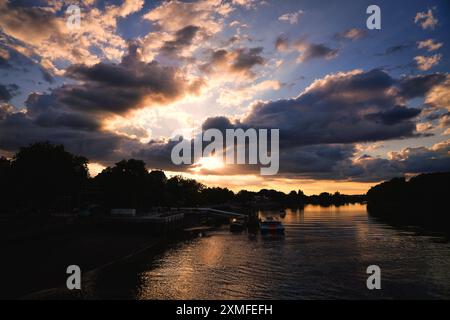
(422, 200)
(44, 178)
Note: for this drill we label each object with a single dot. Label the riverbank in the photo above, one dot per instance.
(421, 201)
(324, 254)
(38, 263)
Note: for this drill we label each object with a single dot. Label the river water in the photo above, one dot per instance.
(324, 254)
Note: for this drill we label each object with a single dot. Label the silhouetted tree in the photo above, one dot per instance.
(421, 200)
(216, 195)
(6, 184)
(156, 184)
(47, 178)
(183, 192)
(245, 197)
(125, 185)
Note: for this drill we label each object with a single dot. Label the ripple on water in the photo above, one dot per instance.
(323, 255)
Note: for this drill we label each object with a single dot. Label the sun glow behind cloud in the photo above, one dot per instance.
(136, 75)
(208, 163)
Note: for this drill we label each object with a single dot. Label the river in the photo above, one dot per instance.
(324, 254)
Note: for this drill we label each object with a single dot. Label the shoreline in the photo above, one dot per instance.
(33, 267)
(89, 277)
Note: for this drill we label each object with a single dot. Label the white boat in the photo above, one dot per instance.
(271, 226)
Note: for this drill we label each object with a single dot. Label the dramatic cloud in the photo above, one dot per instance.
(7, 92)
(156, 155)
(135, 72)
(18, 129)
(43, 35)
(421, 85)
(426, 63)
(406, 161)
(239, 61)
(316, 51)
(175, 15)
(337, 162)
(29, 24)
(183, 38)
(320, 128)
(119, 88)
(426, 19)
(74, 113)
(341, 108)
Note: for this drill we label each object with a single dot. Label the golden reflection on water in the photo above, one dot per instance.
(324, 254)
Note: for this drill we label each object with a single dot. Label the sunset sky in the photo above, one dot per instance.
(354, 106)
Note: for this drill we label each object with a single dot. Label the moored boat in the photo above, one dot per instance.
(271, 226)
(237, 224)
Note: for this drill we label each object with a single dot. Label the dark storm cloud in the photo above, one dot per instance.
(307, 50)
(319, 128)
(220, 123)
(422, 159)
(157, 155)
(338, 162)
(46, 75)
(418, 86)
(73, 113)
(394, 115)
(247, 59)
(4, 64)
(5, 95)
(217, 57)
(342, 108)
(183, 39)
(14, 60)
(409, 160)
(318, 50)
(320, 161)
(119, 88)
(237, 61)
(18, 129)
(69, 120)
(7, 92)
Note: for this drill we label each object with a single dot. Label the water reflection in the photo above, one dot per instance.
(324, 254)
